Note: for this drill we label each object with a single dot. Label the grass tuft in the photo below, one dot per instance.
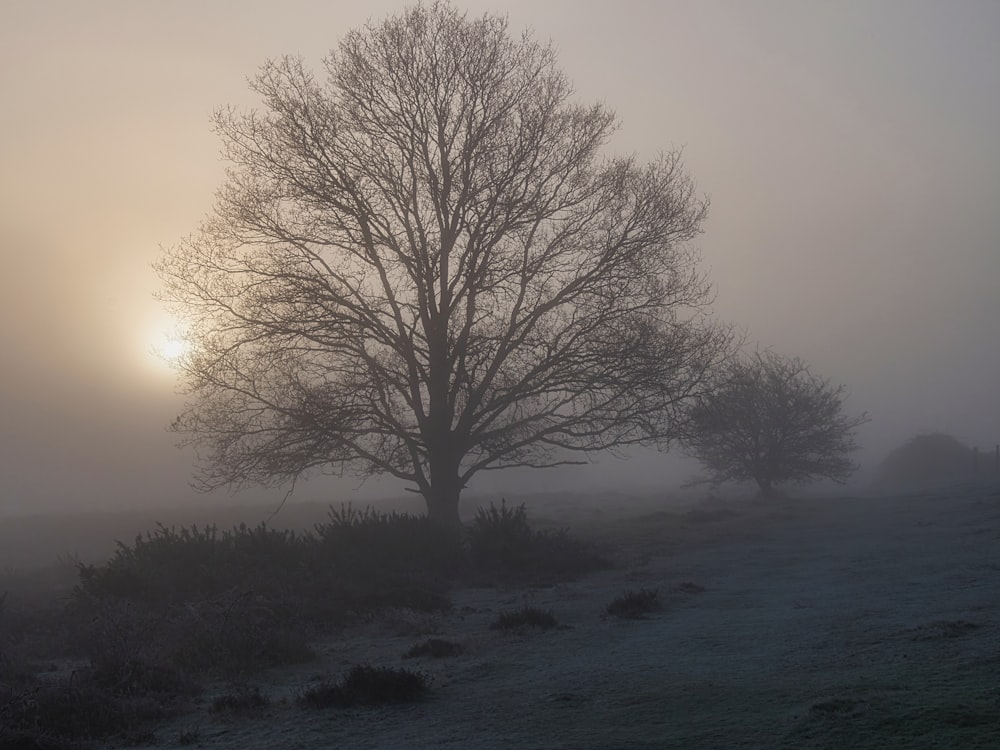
(634, 605)
(365, 685)
(436, 648)
(244, 700)
(504, 549)
(526, 617)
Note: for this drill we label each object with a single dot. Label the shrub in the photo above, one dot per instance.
(79, 708)
(925, 461)
(134, 677)
(633, 605)
(370, 542)
(245, 699)
(502, 546)
(437, 648)
(249, 581)
(169, 566)
(365, 685)
(229, 634)
(21, 634)
(687, 587)
(387, 559)
(235, 634)
(558, 556)
(526, 617)
(500, 536)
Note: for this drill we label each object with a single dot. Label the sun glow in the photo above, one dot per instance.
(171, 347)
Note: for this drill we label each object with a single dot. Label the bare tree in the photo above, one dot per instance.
(423, 267)
(771, 420)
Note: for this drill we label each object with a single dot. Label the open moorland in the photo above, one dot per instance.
(854, 622)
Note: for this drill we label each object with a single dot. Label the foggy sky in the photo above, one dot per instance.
(850, 151)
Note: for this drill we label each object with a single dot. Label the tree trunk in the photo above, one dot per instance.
(443, 454)
(444, 460)
(766, 488)
(442, 502)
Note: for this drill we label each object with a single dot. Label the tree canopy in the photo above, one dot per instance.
(425, 266)
(770, 421)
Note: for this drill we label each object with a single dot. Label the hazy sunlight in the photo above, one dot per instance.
(170, 347)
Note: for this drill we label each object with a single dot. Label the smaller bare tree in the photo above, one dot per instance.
(771, 420)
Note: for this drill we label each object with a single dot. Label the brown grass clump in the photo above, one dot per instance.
(365, 685)
(526, 617)
(634, 605)
(437, 648)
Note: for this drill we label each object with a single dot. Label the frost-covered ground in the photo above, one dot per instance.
(835, 623)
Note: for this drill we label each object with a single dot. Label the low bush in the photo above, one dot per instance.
(500, 536)
(365, 685)
(526, 617)
(169, 566)
(243, 700)
(82, 707)
(437, 648)
(634, 605)
(504, 548)
(258, 585)
(178, 604)
(928, 460)
(135, 677)
(687, 587)
(236, 634)
(388, 559)
(251, 580)
(371, 540)
(228, 635)
(28, 633)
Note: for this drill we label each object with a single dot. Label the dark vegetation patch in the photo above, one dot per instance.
(437, 648)
(365, 685)
(181, 605)
(634, 605)
(929, 460)
(503, 548)
(82, 707)
(355, 562)
(14, 740)
(245, 699)
(525, 617)
(687, 587)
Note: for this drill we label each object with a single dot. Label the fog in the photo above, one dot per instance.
(849, 149)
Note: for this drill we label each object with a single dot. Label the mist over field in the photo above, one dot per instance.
(848, 150)
(481, 261)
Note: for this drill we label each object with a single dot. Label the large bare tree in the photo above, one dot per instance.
(772, 420)
(425, 267)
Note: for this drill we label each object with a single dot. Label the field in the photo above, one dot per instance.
(858, 622)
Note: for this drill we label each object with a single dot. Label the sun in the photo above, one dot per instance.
(171, 347)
